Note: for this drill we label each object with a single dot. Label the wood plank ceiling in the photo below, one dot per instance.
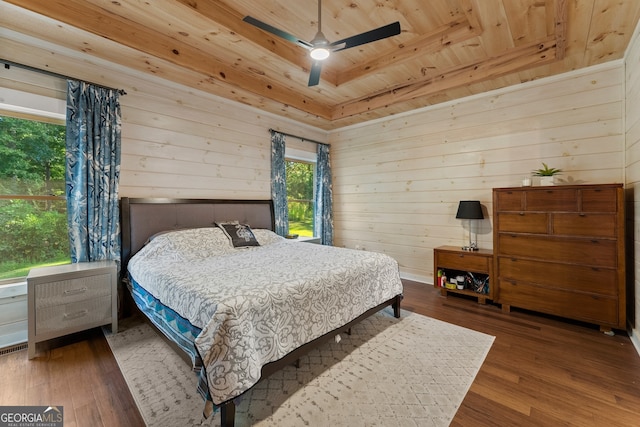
(447, 49)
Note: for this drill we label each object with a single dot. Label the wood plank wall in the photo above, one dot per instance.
(176, 141)
(632, 180)
(397, 182)
(183, 143)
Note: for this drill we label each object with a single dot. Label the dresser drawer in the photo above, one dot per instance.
(461, 261)
(552, 200)
(599, 199)
(598, 309)
(594, 252)
(591, 224)
(570, 277)
(72, 290)
(509, 200)
(524, 222)
(74, 316)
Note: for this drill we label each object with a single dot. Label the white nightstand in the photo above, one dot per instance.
(70, 298)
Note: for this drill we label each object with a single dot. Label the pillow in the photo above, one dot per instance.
(240, 235)
(191, 243)
(160, 233)
(266, 237)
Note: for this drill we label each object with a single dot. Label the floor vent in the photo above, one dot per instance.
(13, 348)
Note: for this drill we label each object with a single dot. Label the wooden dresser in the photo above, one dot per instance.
(560, 250)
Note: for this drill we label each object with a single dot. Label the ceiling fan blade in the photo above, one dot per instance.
(367, 37)
(273, 30)
(314, 75)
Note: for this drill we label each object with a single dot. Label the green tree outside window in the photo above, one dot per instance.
(300, 184)
(33, 222)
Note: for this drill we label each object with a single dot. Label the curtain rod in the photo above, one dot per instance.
(8, 64)
(300, 137)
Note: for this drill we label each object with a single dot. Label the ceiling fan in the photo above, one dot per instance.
(320, 48)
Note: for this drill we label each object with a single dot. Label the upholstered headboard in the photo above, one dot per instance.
(141, 218)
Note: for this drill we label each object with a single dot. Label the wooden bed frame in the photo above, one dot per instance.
(141, 218)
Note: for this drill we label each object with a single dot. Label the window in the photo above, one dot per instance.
(33, 220)
(300, 157)
(300, 196)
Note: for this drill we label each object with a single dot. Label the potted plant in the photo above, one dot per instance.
(546, 174)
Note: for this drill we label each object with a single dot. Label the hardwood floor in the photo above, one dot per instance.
(540, 371)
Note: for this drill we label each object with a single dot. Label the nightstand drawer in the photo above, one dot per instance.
(70, 317)
(73, 290)
(462, 261)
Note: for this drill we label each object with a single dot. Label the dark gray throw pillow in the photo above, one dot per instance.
(240, 235)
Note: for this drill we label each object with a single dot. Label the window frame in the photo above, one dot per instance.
(24, 105)
(298, 155)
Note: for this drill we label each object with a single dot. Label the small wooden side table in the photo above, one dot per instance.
(453, 260)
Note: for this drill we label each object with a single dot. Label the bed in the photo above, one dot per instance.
(238, 299)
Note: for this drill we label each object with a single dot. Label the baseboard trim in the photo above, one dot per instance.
(635, 340)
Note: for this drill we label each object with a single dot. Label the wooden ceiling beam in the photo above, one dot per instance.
(220, 13)
(88, 17)
(516, 59)
(454, 32)
(560, 15)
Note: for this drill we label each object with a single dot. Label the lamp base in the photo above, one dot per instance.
(469, 248)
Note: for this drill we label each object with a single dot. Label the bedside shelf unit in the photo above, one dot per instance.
(453, 258)
(70, 298)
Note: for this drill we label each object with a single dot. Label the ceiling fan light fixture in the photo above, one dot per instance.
(320, 48)
(319, 53)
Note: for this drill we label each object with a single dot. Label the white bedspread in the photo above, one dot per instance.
(257, 304)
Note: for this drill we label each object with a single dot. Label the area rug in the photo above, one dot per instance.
(403, 372)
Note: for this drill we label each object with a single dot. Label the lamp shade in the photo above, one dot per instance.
(469, 209)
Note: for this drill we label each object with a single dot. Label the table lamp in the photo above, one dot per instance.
(470, 209)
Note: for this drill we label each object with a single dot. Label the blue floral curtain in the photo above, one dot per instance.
(324, 197)
(93, 171)
(279, 183)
